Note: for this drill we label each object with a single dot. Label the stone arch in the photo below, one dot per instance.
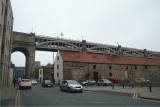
(26, 54)
(25, 43)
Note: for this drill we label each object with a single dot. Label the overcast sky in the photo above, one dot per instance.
(129, 23)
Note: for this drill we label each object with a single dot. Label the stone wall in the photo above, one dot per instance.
(105, 70)
(25, 43)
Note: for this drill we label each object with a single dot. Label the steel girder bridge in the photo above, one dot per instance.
(46, 43)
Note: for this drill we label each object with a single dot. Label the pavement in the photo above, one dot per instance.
(152, 93)
(8, 94)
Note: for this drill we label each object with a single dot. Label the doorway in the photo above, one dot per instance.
(95, 75)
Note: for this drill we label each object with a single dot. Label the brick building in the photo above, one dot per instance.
(6, 33)
(82, 65)
(46, 72)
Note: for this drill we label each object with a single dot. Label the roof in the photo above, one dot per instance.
(70, 56)
(49, 66)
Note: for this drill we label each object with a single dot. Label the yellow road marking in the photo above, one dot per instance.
(134, 95)
(17, 99)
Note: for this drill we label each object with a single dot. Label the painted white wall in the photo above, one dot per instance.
(60, 70)
(11, 76)
(40, 75)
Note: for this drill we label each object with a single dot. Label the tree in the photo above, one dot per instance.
(36, 74)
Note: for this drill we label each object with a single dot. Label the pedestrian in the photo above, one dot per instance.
(14, 81)
(53, 81)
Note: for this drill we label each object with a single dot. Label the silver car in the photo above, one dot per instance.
(34, 82)
(25, 83)
(104, 82)
(71, 86)
(89, 82)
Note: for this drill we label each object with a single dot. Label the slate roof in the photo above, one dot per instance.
(70, 56)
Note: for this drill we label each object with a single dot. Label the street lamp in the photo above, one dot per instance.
(132, 77)
(53, 77)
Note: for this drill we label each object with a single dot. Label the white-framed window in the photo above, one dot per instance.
(57, 74)
(40, 71)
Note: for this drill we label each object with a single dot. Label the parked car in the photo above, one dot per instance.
(89, 82)
(104, 82)
(34, 82)
(71, 86)
(25, 83)
(141, 81)
(103, 78)
(47, 83)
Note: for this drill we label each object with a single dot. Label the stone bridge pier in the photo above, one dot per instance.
(25, 43)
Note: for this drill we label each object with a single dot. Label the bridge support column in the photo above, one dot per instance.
(145, 53)
(119, 50)
(30, 61)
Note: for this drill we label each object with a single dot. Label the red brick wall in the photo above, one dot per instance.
(47, 72)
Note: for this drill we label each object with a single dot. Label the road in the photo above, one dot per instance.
(52, 96)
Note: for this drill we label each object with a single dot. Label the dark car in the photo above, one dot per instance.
(71, 86)
(47, 83)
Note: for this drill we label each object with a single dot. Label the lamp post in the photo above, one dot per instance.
(52, 77)
(132, 77)
(88, 71)
(150, 87)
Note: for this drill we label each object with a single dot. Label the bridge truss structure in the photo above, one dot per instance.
(47, 43)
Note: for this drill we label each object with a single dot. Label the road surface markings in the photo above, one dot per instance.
(17, 99)
(135, 95)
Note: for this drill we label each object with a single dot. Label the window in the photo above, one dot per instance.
(94, 66)
(40, 71)
(2, 8)
(0, 30)
(145, 67)
(57, 74)
(11, 15)
(8, 25)
(135, 67)
(57, 66)
(8, 44)
(110, 74)
(9, 29)
(6, 41)
(9, 9)
(126, 67)
(57, 57)
(110, 67)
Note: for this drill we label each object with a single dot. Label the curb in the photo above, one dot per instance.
(108, 91)
(155, 99)
(135, 95)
